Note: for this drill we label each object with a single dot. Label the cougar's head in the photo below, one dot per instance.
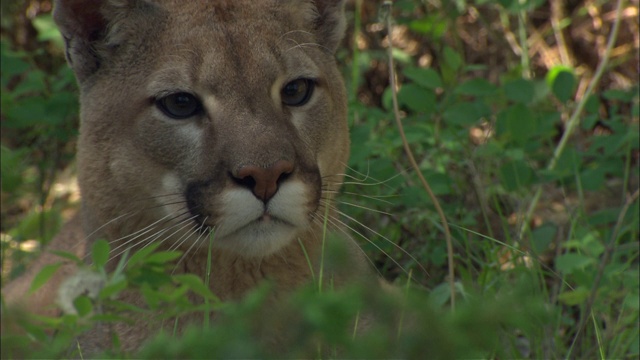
(225, 115)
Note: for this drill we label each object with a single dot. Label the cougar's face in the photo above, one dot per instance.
(230, 122)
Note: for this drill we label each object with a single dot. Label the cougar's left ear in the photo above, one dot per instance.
(330, 24)
(82, 25)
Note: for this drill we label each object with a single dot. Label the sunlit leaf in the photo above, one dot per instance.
(562, 81)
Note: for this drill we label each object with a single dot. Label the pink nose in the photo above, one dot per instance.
(264, 182)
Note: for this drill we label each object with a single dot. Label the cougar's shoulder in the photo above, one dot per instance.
(211, 119)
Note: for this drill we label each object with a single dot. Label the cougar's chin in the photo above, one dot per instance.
(258, 238)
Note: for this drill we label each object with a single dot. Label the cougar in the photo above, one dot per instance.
(223, 117)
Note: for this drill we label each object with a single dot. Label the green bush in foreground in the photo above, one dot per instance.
(330, 323)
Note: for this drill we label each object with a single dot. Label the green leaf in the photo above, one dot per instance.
(195, 284)
(11, 166)
(43, 276)
(516, 174)
(33, 83)
(140, 255)
(520, 91)
(452, 59)
(100, 253)
(592, 179)
(152, 277)
(47, 30)
(431, 25)
(27, 113)
(440, 294)
(570, 262)
(620, 95)
(113, 289)
(83, 305)
(417, 98)
(592, 106)
(67, 255)
(11, 65)
(413, 196)
(574, 297)
(516, 123)
(476, 87)
(632, 301)
(465, 113)
(543, 236)
(451, 66)
(162, 257)
(30, 226)
(440, 183)
(567, 162)
(427, 78)
(562, 81)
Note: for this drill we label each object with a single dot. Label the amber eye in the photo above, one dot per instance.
(297, 92)
(180, 105)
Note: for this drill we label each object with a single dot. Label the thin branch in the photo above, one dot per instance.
(445, 225)
(574, 120)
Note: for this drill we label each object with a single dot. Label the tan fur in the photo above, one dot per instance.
(139, 169)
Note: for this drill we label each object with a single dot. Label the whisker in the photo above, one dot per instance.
(100, 228)
(301, 45)
(330, 221)
(365, 208)
(157, 196)
(372, 197)
(186, 221)
(194, 230)
(381, 236)
(144, 231)
(203, 234)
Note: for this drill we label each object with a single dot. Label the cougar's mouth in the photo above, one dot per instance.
(241, 222)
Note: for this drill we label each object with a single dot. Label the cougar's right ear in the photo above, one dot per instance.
(82, 26)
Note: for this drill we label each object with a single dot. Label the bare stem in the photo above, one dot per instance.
(396, 112)
(574, 120)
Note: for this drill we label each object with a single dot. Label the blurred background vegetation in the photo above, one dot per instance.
(488, 93)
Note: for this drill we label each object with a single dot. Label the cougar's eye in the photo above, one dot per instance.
(297, 92)
(180, 105)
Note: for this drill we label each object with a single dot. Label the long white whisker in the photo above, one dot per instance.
(135, 235)
(143, 231)
(365, 208)
(372, 197)
(331, 222)
(186, 221)
(372, 243)
(199, 238)
(193, 244)
(381, 236)
(101, 227)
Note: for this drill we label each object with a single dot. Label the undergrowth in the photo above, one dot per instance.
(543, 215)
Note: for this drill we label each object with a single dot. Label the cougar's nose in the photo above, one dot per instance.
(264, 181)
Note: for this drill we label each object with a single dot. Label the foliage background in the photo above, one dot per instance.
(486, 90)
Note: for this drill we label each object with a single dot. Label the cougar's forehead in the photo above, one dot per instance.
(232, 46)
